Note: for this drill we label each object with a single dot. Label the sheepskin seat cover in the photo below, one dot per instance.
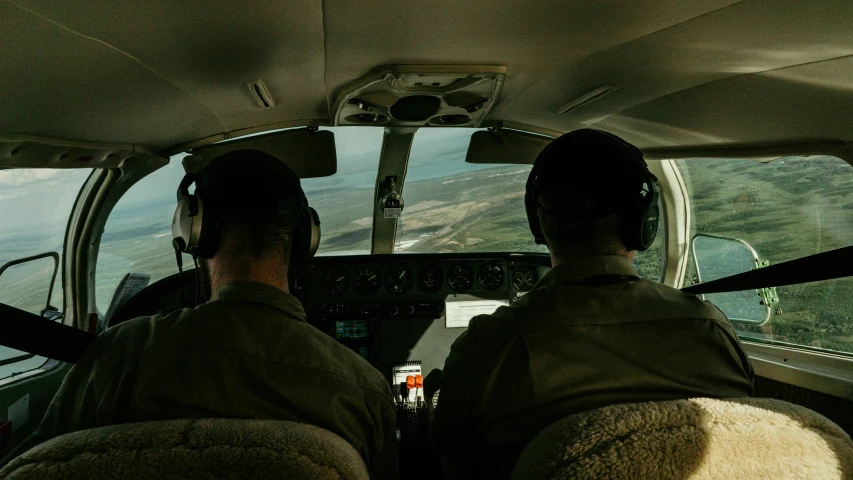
(192, 449)
(701, 438)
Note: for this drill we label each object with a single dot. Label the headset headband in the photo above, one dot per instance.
(196, 228)
(644, 209)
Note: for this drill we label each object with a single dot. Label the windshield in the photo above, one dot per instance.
(344, 201)
(454, 206)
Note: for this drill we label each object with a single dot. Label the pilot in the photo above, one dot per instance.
(591, 333)
(248, 352)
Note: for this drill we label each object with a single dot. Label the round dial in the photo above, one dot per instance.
(523, 278)
(460, 278)
(333, 281)
(398, 279)
(430, 279)
(490, 276)
(366, 280)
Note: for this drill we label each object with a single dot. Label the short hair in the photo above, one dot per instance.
(594, 235)
(259, 233)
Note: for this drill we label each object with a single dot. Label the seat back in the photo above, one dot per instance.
(196, 449)
(699, 438)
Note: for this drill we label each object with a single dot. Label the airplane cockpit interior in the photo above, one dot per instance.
(413, 129)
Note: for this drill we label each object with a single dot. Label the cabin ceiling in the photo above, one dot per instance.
(160, 74)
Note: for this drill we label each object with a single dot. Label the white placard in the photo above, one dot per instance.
(401, 371)
(458, 314)
(19, 412)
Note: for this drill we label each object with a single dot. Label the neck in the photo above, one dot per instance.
(226, 269)
(558, 258)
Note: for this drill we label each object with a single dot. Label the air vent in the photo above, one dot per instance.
(587, 98)
(259, 92)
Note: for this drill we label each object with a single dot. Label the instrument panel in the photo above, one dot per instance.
(394, 308)
(399, 275)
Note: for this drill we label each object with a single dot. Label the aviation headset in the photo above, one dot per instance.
(639, 224)
(196, 231)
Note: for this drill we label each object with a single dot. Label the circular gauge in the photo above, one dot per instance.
(460, 278)
(398, 279)
(523, 278)
(366, 280)
(333, 281)
(430, 279)
(490, 276)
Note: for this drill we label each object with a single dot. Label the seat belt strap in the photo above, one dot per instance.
(602, 280)
(37, 335)
(822, 266)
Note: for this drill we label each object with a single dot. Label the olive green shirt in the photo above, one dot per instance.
(588, 335)
(248, 353)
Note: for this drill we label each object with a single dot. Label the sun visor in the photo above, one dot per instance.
(505, 146)
(310, 153)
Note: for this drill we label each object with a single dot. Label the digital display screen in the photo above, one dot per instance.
(350, 329)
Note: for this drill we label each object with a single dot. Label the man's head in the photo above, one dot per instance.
(589, 193)
(248, 210)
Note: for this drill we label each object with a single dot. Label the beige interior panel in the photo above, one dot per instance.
(57, 84)
(208, 51)
(746, 38)
(529, 37)
(163, 74)
(763, 107)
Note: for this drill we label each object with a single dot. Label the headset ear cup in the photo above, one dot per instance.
(532, 209)
(650, 226)
(313, 228)
(182, 224)
(640, 224)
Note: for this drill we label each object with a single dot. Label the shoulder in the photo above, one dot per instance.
(507, 322)
(680, 303)
(131, 337)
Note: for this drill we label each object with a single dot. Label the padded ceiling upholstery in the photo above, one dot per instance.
(161, 74)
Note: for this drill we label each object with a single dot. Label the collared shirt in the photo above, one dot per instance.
(248, 353)
(588, 335)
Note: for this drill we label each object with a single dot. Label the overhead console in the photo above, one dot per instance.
(421, 95)
(397, 308)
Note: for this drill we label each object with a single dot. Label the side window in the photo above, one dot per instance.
(785, 209)
(34, 208)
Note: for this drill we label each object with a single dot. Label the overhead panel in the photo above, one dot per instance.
(206, 52)
(747, 38)
(805, 103)
(56, 84)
